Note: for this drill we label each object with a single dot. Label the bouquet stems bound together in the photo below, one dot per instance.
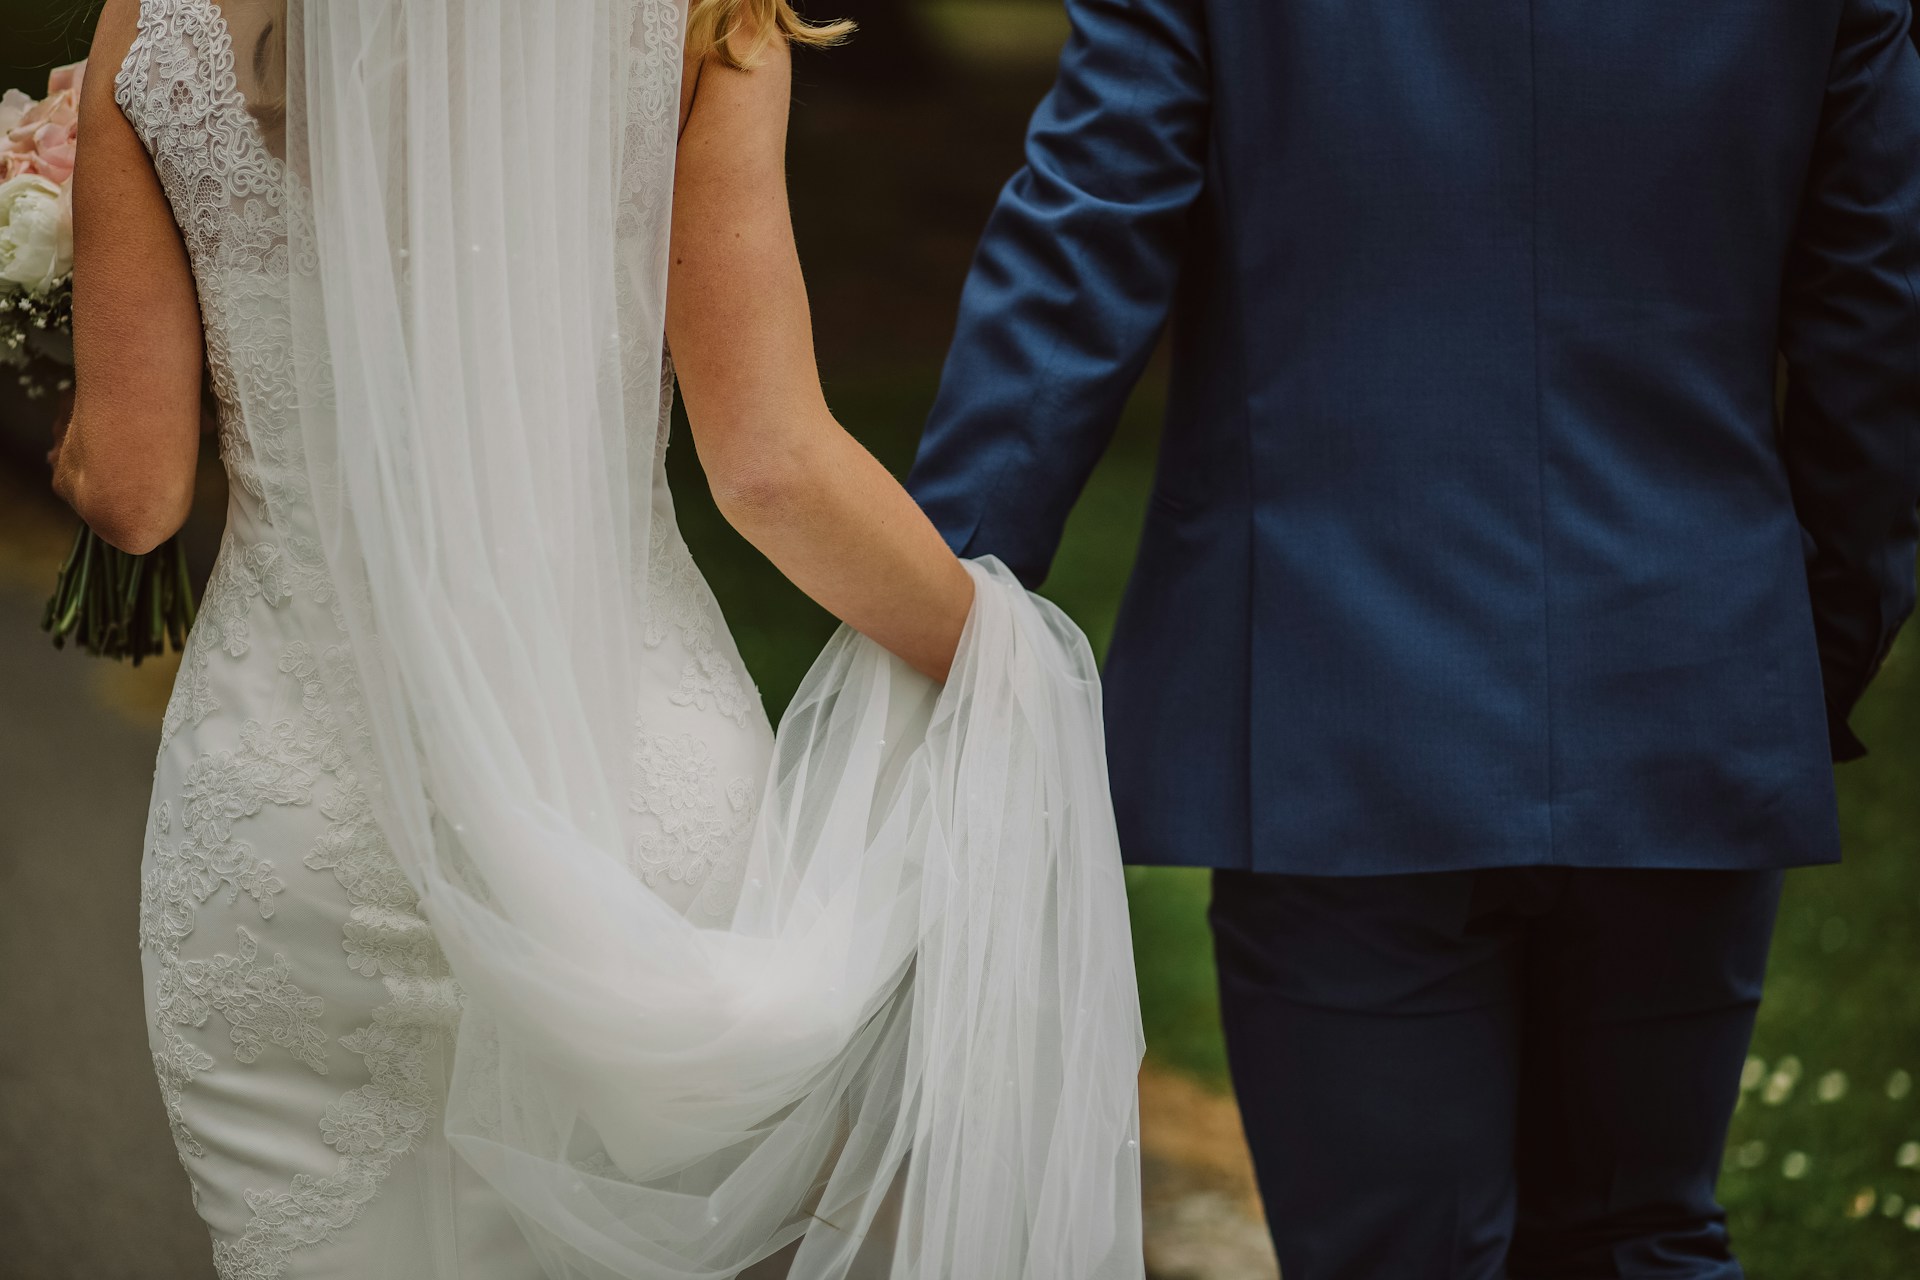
(116, 605)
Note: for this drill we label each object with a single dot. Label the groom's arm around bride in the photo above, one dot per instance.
(1492, 631)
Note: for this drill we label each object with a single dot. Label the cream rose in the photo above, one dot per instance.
(36, 233)
(13, 109)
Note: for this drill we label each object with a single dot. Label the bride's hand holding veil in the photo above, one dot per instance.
(782, 470)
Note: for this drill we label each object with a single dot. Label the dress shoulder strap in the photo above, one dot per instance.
(178, 76)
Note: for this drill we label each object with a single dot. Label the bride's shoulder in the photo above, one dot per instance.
(113, 37)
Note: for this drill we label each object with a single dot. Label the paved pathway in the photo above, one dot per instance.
(89, 1185)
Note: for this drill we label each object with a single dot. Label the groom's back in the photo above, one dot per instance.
(1442, 233)
(1472, 493)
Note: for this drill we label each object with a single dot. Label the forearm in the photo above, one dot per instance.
(837, 524)
(783, 471)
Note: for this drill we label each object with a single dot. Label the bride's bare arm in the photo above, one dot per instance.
(128, 459)
(783, 471)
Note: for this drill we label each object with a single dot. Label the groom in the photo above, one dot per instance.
(1492, 629)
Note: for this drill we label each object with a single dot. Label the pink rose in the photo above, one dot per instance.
(67, 79)
(39, 136)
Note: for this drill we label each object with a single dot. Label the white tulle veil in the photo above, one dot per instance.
(912, 1051)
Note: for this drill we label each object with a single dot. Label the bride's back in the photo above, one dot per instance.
(270, 895)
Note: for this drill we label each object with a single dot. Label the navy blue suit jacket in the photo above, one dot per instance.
(1476, 538)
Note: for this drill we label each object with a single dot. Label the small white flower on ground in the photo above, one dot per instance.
(1899, 1085)
(1892, 1205)
(1909, 1155)
(1794, 1166)
(1833, 1086)
(1913, 1218)
(1752, 1074)
(1751, 1154)
(1862, 1203)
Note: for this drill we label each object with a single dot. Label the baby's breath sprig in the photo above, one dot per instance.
(36, 337)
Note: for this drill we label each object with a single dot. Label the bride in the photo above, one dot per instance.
(488, 929)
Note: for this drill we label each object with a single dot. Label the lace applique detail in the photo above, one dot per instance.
(192, 700)
(177, 1062)
(242, 575)
(221, 788)
(262, 1005)
(384, 937)
(699, 828)
(371, 1127)
(207, 860)
(679, 601)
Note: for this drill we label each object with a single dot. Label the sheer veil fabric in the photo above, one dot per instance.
(912, 1052)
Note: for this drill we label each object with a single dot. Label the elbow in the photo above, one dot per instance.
(134, 516)
(133, 498)
(750, 494)
(757, 486)
(137, 528)
(137, 537)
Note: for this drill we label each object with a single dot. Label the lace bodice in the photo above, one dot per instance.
(179, 89)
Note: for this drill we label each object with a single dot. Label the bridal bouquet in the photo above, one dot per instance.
(36, 231)
(108, 602)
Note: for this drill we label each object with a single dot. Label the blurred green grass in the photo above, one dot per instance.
(1815, 1183)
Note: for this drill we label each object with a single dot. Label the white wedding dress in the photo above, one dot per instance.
(300, 1011)
(306, 1021)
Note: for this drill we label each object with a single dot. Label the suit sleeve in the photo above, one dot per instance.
(1071, 284)
(1850, 332)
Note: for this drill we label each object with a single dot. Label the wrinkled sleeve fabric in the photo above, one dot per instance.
(1071, 284)
(1850, 333)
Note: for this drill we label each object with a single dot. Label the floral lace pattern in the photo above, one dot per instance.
(679, 601)
(261, 1003)
(283, 764)
(699, 826)
(694, 826)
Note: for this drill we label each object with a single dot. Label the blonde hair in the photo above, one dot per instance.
(738, 32)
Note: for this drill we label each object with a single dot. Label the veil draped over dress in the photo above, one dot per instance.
(911, 1051)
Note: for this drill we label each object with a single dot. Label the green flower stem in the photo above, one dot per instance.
(116, 605)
